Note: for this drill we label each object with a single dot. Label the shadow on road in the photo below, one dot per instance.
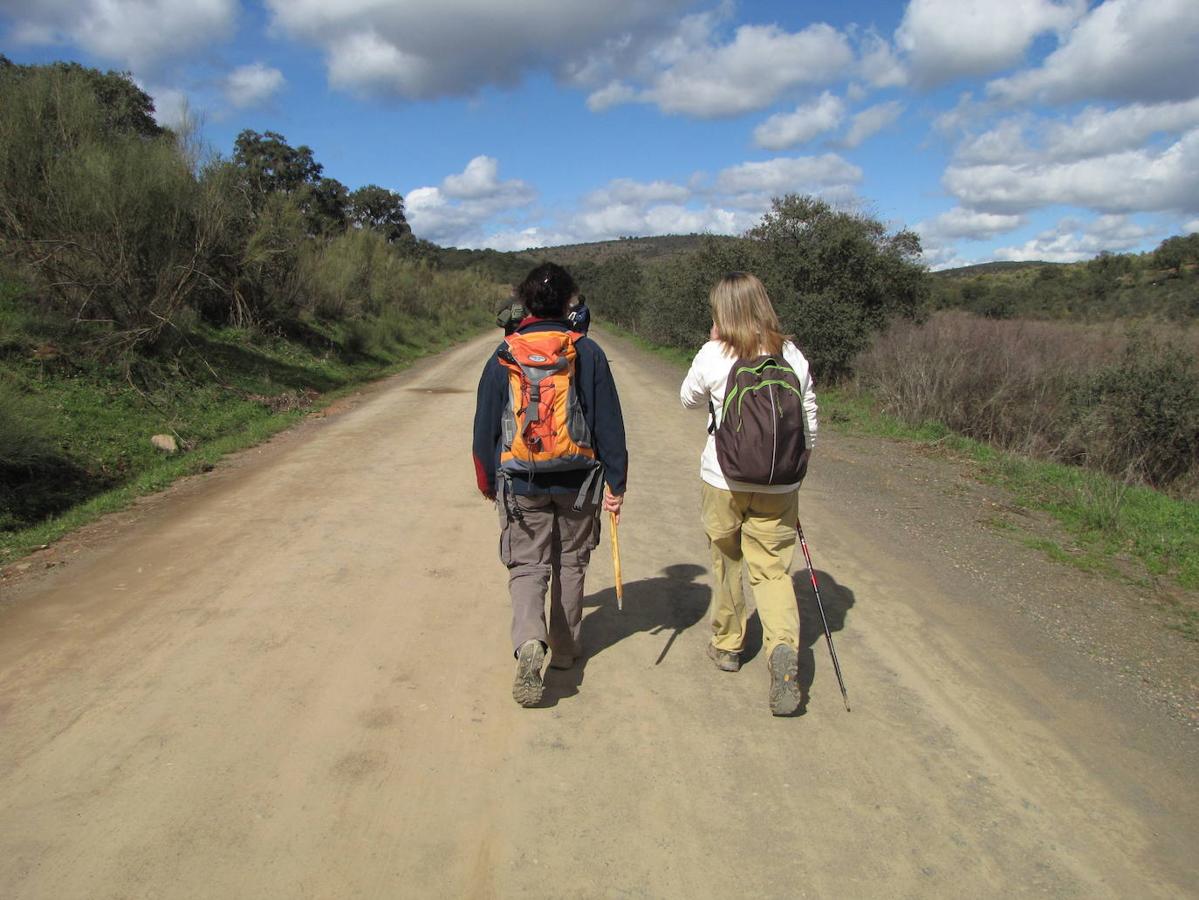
(666, 605)
(675, 601)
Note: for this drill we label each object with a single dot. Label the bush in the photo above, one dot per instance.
(1140, 416)
(102, 220)
(1073, 393)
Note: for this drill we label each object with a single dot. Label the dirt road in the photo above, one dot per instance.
(290, 678)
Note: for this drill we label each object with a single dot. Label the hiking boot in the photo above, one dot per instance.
(527, 686)
(561, 660)
(784, 680)
(726, 660)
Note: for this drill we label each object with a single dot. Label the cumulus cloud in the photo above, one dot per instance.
(1072, 240)
(475, 208)
(433, 48)
(1124, 50)
(252, 85)
(748, 183)
(1191, 227)
(959, 223)
(879, 65)
(872, 120)
(140, 34)
(947, 39)
(1146, 179)
(751, 72)
(627, 191)
(171, 105)
(785, 130)
(455, 212)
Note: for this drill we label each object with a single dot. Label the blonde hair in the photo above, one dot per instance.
(744, 316)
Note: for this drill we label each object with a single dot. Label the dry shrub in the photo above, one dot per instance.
(1079, 393)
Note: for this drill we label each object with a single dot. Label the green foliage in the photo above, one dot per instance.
(1140, 415)
(835, 278)
(1159, 285)
(381, 210)
(124, 107)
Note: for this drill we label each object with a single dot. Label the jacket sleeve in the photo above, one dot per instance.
(489, 407)
(695, 391)
(609, 426)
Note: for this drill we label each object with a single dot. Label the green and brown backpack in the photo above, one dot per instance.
(762, 433)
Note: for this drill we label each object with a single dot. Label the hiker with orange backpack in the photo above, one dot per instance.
(549, 449)
(756, 385)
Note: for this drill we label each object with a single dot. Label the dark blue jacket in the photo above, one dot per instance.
(601, 408)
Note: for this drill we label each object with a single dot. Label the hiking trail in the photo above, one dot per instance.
(291, 677)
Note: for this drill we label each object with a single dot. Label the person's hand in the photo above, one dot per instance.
(613, 502)
(714, 334)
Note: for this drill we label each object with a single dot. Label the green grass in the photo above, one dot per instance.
(1107, 519)
(211, 389)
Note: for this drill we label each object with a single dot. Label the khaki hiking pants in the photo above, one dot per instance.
(548, 546)
(759, 529)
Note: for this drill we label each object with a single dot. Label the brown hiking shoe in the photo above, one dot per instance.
(527, 686)
(784, 680)
(726, 660)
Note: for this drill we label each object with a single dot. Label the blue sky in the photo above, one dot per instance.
(998, 129)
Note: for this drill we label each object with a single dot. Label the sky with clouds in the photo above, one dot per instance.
(997, 129)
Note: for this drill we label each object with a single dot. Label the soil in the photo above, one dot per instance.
(290, 677)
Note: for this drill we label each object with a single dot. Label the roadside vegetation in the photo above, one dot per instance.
(148, 287)
(1084, 411)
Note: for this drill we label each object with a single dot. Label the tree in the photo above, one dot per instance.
(375, 207)
(271, 165)
(325, 204)
(125, 109)
(836, 277)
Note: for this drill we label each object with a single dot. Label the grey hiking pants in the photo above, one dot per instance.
(549, 546)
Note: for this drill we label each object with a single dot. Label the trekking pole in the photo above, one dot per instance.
(819, 605)
(616, 563)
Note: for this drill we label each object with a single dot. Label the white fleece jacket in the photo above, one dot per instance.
(707, 379)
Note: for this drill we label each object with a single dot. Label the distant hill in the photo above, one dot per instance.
(991, 268)
(645, 248)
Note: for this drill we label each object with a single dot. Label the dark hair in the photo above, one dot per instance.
(547, 290)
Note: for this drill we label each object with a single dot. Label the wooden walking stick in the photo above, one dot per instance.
(616, 562)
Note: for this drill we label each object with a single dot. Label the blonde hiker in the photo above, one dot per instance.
(755, 383)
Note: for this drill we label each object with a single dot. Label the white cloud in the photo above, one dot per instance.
(455, 213)
(970, 224)
(628, 191)
(612, 94)
(879, 65)
(1004, 143)
(171, 105)
(476, 209)
(1072, 241)
(946, 39)
(797, 174)
(758, 66)
(140, 34)
(785, 130)
(1095, 131)
(1190, 227)
(252, 85)
(1148, 179)
(422, 49)
(1123, 50)
(871, 121)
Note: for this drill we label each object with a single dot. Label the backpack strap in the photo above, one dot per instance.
(592, 489)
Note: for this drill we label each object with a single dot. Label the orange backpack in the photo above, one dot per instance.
(544, 429)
